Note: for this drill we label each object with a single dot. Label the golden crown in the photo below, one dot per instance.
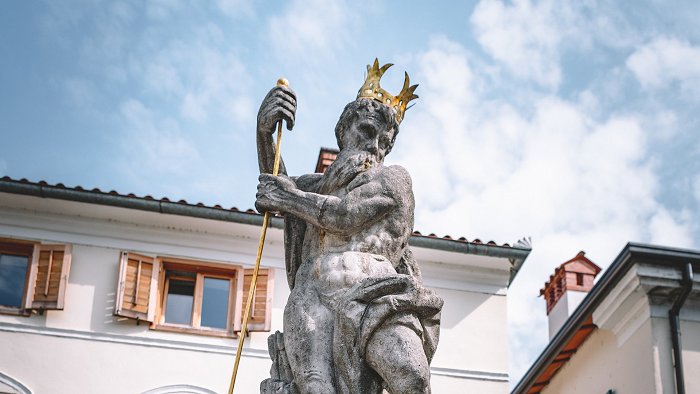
(371, 89)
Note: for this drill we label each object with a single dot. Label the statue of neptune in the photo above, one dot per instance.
(358, 319)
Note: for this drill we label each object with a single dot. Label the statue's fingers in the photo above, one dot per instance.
(265, 179)
(288, 117)
(287, 94)
(288, 106)
(284, 93)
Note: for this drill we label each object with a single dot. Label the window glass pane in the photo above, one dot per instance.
(215, 303)
(178, 309)
(13, 270)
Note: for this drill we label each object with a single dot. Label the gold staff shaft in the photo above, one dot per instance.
(261, 244)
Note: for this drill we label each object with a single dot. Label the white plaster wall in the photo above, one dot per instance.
(48, 364)
(600, 365)
(84, 348)
(90, 297)
(566, 305)
(473, 341)
(690, 339)
(473, 332)
(663, 355)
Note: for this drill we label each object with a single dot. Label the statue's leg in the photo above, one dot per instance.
(308, 336)
(396, 353)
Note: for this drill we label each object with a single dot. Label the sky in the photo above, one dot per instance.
(574, 123)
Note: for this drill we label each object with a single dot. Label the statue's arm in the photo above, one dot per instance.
(361, 207)
(279, 104)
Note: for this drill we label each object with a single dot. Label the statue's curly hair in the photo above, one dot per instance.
(352, 110)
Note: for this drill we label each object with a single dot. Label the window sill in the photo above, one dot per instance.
(196, 331)
(6, 310)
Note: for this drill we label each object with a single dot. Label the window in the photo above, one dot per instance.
(199, 296)
(32, 276)
(15, 259)
(190, 296)
(579, 279)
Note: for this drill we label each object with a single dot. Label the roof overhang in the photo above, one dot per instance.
(632, 253)
(501, 257)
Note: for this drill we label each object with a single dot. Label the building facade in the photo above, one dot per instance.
(637, 331)
(110, 293)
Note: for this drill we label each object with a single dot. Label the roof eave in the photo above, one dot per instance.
(631, 253)
(515, 254)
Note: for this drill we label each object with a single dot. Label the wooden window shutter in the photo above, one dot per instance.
(261, 309)
(48, 276)
(138, 286)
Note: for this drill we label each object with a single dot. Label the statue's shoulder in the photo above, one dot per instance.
(308, 182)
(397, 170)
(396, 173)
(395, 178)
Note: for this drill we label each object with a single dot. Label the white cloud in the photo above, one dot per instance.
(81, 92)
(236, 8)
(204, 77)
(666, 230)
(664, 61)
(696, 188)
(525, 36)
(243, 110)
(311, 28)
(154, 143)
(3, 167)
(554, 170)
(162, 9)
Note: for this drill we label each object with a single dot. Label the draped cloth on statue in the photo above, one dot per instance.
(375, 302)
(389, 300)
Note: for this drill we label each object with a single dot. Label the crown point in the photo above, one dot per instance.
(283, 82)
(371, 89)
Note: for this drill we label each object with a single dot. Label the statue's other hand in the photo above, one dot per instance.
(279, 104)
(272, 191)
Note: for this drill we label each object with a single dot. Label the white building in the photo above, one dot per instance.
(620, 338)
(145, 295)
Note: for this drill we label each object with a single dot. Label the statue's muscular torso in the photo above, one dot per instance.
(334, 259)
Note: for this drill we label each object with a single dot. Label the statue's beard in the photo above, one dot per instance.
(345, 168)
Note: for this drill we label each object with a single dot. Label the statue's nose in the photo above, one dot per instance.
(373, 146)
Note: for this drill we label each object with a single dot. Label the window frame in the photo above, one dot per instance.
(202, 270)
(16, 247)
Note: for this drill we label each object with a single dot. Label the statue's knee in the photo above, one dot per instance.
(411, 379)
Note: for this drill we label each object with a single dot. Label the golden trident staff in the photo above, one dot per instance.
(254, 281)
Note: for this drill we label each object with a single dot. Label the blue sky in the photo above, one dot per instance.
(574, 123)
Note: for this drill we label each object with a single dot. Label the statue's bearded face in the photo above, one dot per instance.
(367, 126)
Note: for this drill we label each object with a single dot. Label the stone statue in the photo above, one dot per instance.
(358, 319)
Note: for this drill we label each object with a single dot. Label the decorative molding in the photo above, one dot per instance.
(645, 291)
(632, 321)
(131, 340)
(179, 389)
(206, 348)
(469, 374)
(472, 278)
(14, 384)
(616, 297)
(464, 285)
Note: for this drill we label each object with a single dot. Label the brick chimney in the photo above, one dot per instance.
(566, 289)
(326, 157)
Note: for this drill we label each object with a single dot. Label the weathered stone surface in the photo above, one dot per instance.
(358, 319)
